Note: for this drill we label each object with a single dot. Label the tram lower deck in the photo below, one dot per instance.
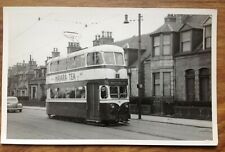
(104, 112)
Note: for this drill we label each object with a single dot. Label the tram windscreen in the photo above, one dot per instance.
(118, 92)
(119, 58)
(109, 58)
(94, 58)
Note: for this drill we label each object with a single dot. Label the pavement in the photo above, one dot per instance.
(178, 121)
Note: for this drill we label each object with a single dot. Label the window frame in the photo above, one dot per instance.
(102, 59)
(208, 36)
(182, 42)
(166, 44)
(156, 45)
(156, 84)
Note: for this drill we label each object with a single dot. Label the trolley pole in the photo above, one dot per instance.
(139, 85)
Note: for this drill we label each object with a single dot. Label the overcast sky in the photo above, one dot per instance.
(37, 30)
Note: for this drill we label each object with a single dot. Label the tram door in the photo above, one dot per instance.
(92, 101)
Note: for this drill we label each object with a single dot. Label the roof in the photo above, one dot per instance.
(208, 21)
(133, 42)
(182, 22)
(105, 47)
(168, 27)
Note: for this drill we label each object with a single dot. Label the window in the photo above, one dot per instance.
(94, 58)
(68, 92)
(113, 92)
(166, 45)
(104, 92)
(204, 87)
(80, 92)
(118, 92)
(119, 58)
(80, 61)
(109, 58)
(156, 84)
(33, 92)
(43, 71)
(190, 84)
(156, 46)
(76, 62)
(208, 34)
(166, 83)
(123, 92)
(186, 41)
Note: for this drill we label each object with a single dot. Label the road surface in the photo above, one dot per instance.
(34, 124)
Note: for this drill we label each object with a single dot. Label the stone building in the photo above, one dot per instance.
(19, 77)
(130, 47)
(37, 84)
(178, 69)
(193, 68)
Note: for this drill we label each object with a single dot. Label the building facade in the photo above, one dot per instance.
(37, 84)
(27, 81)
(19, 77)
(178, 69)
(193, 70)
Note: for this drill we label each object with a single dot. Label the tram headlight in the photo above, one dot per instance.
(112, 105)
(126, 105)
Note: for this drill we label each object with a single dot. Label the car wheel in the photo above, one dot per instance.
(20, 110)
(50, 116)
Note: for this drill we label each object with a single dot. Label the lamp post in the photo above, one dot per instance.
(139, 85)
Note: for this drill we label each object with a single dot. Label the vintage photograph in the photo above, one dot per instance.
(109, 76)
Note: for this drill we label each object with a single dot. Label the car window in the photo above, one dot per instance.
(12, 100)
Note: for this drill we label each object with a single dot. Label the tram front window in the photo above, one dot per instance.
(119, 58)
(94, 58)
(123, 91)
(109, 58)
(114, 92)
(118, 92)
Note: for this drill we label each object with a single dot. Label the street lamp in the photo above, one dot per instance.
(139, 85)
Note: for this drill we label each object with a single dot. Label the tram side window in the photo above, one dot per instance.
(94, 58)
(76, 62)
(109, 58)
(62, 93)
(80, 92)
(104, 92)
(80, 61)
(119, 58)
(62, 65)
(114, 92)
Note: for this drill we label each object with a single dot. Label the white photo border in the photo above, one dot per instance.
(213, 142)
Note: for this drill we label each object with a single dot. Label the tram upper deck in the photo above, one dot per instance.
(103, 55)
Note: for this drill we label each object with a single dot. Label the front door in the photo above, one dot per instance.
(92, 101)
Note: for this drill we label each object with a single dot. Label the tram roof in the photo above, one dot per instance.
(106, 48)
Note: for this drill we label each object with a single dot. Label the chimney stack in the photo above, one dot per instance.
(55, 53)
(73, 47)
(170, 18)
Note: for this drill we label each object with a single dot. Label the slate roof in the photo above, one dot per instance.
(133, 42)
(168, 27)
(187, 22)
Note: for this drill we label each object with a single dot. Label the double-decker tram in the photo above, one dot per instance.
(90, 84)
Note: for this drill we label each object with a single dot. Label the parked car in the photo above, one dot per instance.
(13, 105)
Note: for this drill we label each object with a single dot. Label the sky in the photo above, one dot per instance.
(37, 30)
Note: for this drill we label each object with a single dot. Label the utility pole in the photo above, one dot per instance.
(139, 85)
